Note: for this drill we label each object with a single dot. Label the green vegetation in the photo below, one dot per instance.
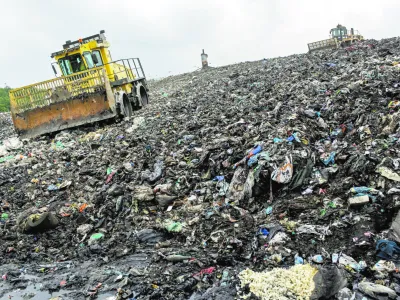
(4, 99)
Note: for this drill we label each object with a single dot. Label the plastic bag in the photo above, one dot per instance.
(13, 143)
(283, 174)
(389, 174)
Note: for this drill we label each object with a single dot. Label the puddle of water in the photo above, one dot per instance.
(138, 260)
(39, 295)
(45, 295)
(106, 296)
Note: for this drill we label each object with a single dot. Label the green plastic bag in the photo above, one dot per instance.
(96, 236)
(172, 226)
(5, 158)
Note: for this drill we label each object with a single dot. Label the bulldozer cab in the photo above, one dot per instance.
(83, 54)
(340, 32)
(91, 52)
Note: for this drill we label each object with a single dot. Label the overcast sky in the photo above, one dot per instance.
(168, 35)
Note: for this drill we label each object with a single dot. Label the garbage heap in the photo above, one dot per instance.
(274, 179)
(6, 128)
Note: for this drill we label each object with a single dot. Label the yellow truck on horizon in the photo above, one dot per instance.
(340, 37)
(90, 88)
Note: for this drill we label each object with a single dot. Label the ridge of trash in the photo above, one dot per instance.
(286, 167)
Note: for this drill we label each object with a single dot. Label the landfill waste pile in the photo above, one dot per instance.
(6, 127)
(274, 179)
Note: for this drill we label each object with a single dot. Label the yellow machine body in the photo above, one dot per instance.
(339, 37)
(91, 87)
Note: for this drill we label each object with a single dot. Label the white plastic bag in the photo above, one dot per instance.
(283, 174)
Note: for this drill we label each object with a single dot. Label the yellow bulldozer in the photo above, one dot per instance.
(339, 37)
(90, 88)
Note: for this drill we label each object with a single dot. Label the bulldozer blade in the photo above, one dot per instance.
(61, 103)
(62, 115)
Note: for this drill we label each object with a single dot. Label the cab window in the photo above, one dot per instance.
(98, 55)
(89, 60)
(72, 64)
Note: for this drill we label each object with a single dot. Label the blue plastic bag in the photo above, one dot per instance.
(298, 260)
(388, 250)
(219, 178)
(328, 159)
